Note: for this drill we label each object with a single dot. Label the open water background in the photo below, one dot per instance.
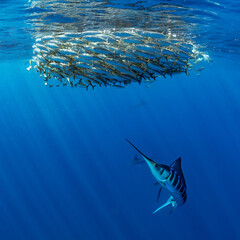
(64, 161)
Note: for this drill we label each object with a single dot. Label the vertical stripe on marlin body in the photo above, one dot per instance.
(169, 177)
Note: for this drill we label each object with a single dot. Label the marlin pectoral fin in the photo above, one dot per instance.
(159, 193)
(169, 201)
(144, 156)
(137, 161)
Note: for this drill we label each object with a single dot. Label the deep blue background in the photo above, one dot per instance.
(64, 163)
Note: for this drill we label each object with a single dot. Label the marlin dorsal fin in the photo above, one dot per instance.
(176, 165)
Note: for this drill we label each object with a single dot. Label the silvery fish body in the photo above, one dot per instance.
(115, 48)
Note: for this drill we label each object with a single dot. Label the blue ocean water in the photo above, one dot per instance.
(64, 161)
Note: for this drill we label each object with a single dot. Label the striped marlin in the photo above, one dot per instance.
(169, 177)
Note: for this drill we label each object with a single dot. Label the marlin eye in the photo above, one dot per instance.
(156, 166)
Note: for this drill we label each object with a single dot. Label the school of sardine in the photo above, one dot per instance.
(112, 56)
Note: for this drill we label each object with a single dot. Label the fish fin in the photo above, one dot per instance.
(144, 156)
(159, 193)
(136, 161)
(169, 201)
(156, 183)
(176, 165)
(172, 210)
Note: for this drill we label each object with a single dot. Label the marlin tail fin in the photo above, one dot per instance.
(169, 201)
